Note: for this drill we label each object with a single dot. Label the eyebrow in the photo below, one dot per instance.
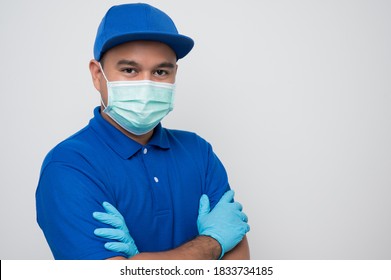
(127, 62)
(135, 64)
(165, 65)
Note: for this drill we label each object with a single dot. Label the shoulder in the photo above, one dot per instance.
(71, 167)
(73, 149)
(186, 137)
(190, 144)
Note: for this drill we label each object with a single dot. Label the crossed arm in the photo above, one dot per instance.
(200, 248)
(221, 234)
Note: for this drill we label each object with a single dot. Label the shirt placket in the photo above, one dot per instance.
(157, 177)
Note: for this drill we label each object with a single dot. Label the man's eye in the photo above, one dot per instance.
(161, 72)
(129, 70)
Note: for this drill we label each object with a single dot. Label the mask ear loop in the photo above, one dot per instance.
(107, 81)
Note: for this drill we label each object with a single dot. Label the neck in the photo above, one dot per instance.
(141, 139)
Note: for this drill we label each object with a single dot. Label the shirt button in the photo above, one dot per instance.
(156, 179)
(145, 151)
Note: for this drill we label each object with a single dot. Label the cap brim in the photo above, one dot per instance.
(180, 44)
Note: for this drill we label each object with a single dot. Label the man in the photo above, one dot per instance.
(169, 186)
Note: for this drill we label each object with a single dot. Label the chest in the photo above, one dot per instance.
(158, 194)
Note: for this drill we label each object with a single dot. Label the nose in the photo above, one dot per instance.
(146, 75)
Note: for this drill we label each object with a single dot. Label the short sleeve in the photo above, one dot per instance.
(216, 178)
(66, 197)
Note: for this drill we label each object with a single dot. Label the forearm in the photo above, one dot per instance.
(200, 248)
(221, 230)
(240, 252)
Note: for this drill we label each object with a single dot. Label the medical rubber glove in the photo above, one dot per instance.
(226, 222)
(120, 231)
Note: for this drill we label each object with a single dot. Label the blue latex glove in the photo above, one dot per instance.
(226, 222)
(120, 231)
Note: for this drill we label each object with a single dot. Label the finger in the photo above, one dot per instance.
(118, 247)
(228, 196)
(111, 233)
(122, 248)
(247, 228)
(111, 209)
(244, 227)
(108, 219)
(241, 215)
(244, 217)
(204, 205)
(102, 216)
(237, 206)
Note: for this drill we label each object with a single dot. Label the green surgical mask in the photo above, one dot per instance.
(138, 106)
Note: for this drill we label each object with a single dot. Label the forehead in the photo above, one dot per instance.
(140, 50)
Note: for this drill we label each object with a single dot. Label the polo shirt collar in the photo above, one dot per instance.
(119, 142)
(159, 138)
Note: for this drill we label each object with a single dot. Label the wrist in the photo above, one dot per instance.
(214, 246)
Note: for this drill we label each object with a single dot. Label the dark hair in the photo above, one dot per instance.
(102, 60)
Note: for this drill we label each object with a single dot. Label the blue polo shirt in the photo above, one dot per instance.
(156, 188)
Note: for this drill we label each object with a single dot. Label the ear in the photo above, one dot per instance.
(96, 74)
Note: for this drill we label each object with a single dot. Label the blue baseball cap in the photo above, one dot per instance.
(133, 22)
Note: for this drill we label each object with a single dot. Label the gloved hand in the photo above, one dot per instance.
(226, 222)
(120, 231)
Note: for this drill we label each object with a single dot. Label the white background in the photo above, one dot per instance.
(294, 96)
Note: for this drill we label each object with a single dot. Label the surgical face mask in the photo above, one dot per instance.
(138, 106)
